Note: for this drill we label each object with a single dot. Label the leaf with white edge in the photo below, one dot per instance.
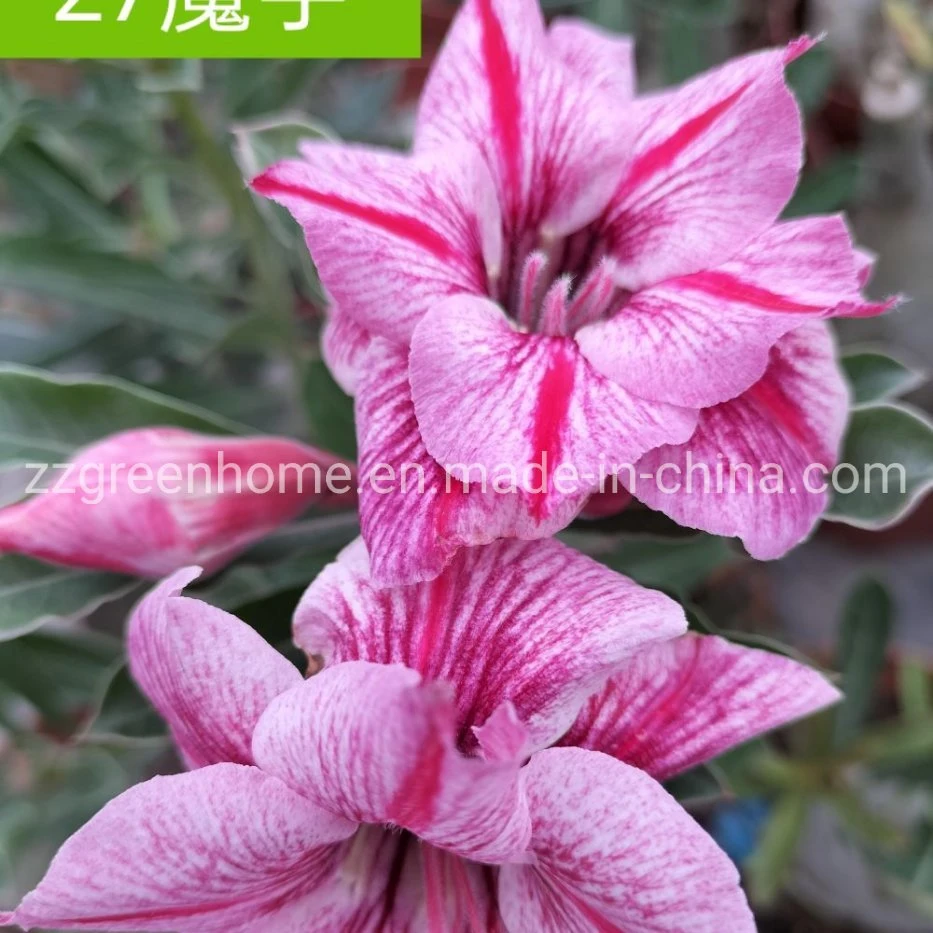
(876, 376)
(46, 417)
(261, 143)
(886, 466)
(33, 594)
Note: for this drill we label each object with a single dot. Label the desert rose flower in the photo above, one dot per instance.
(559, 275)
(480, 753)
(151, 501)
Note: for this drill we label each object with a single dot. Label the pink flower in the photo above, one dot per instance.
(151, 501)
(479, 753)
(559, 275)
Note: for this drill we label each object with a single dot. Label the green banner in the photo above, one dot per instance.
(210, 29)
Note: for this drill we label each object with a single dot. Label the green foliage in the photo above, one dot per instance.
(876, 376)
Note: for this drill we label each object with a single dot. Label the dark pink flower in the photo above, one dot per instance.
(480, 753)
(150, 501)
(560, 275)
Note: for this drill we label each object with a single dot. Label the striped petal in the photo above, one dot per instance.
(208, 674)
(550, 136)
(223, 849)
(537, 624)
(614, 851)
(712, 166)
(414, 515)
(344, 345)
(391, 235)
(602, 59)
(703, 339)
(489, 397)
(686, 701)
(755, 467)
(377, 745)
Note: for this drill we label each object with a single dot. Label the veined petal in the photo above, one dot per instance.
(553, 141)
(537, 624)
(755, 467)
(391, 234)
(344, 345)
(149, 502)
(713, 165)
(376, 744)
(688, 700)
(414, 515)
(208, 674)
(614, 851)
(487, 396)
(602, 59)
(703, 339)
(220, 849)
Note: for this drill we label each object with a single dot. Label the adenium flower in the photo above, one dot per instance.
(563, 275)
(480, 753)
(151, 501)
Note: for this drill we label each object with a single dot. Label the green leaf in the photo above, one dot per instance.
(890, 448)
(863, 640)
(57, 672)
(811, 76)
(46, 417)
(675, 564)
(129, 288)
(33, 593)
(769, 866)
(915, 691)
(261, 143)
(330, 411)
(701, 785)
(829, 188)
(876, 376)
(122, 714)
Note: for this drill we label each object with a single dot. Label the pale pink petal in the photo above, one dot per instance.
(226, 848)
(755, 467)
(391, 234)
(554, 140)
(537, 624)
(712, 167)
(686, 701)
(344, 345)
(148, 502)
(614, 851)
(488, 397)
(208, 674)
(377, 745)
(705, 338)
(414, 515)
(602, 59)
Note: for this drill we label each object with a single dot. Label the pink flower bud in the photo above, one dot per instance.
(150, 501)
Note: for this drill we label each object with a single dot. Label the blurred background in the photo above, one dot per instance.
(132, 256)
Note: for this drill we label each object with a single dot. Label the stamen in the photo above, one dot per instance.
(554, 309)
(593, 299)
(467, 901)
(432, 861)
(532, 283)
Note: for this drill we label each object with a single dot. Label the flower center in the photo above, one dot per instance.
(560, 286)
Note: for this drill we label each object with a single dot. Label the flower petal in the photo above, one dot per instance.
(537, 624)
(551, 139)
(713, 165)
(614, 851)
(489, 398)
(602, 59)
(754, 469)
(704, 339)
(414, 515)
(375, 744)
(686, 701)
(208, 674)
(344, 345)
(421, 228)
(148, 502)
(220, 849)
